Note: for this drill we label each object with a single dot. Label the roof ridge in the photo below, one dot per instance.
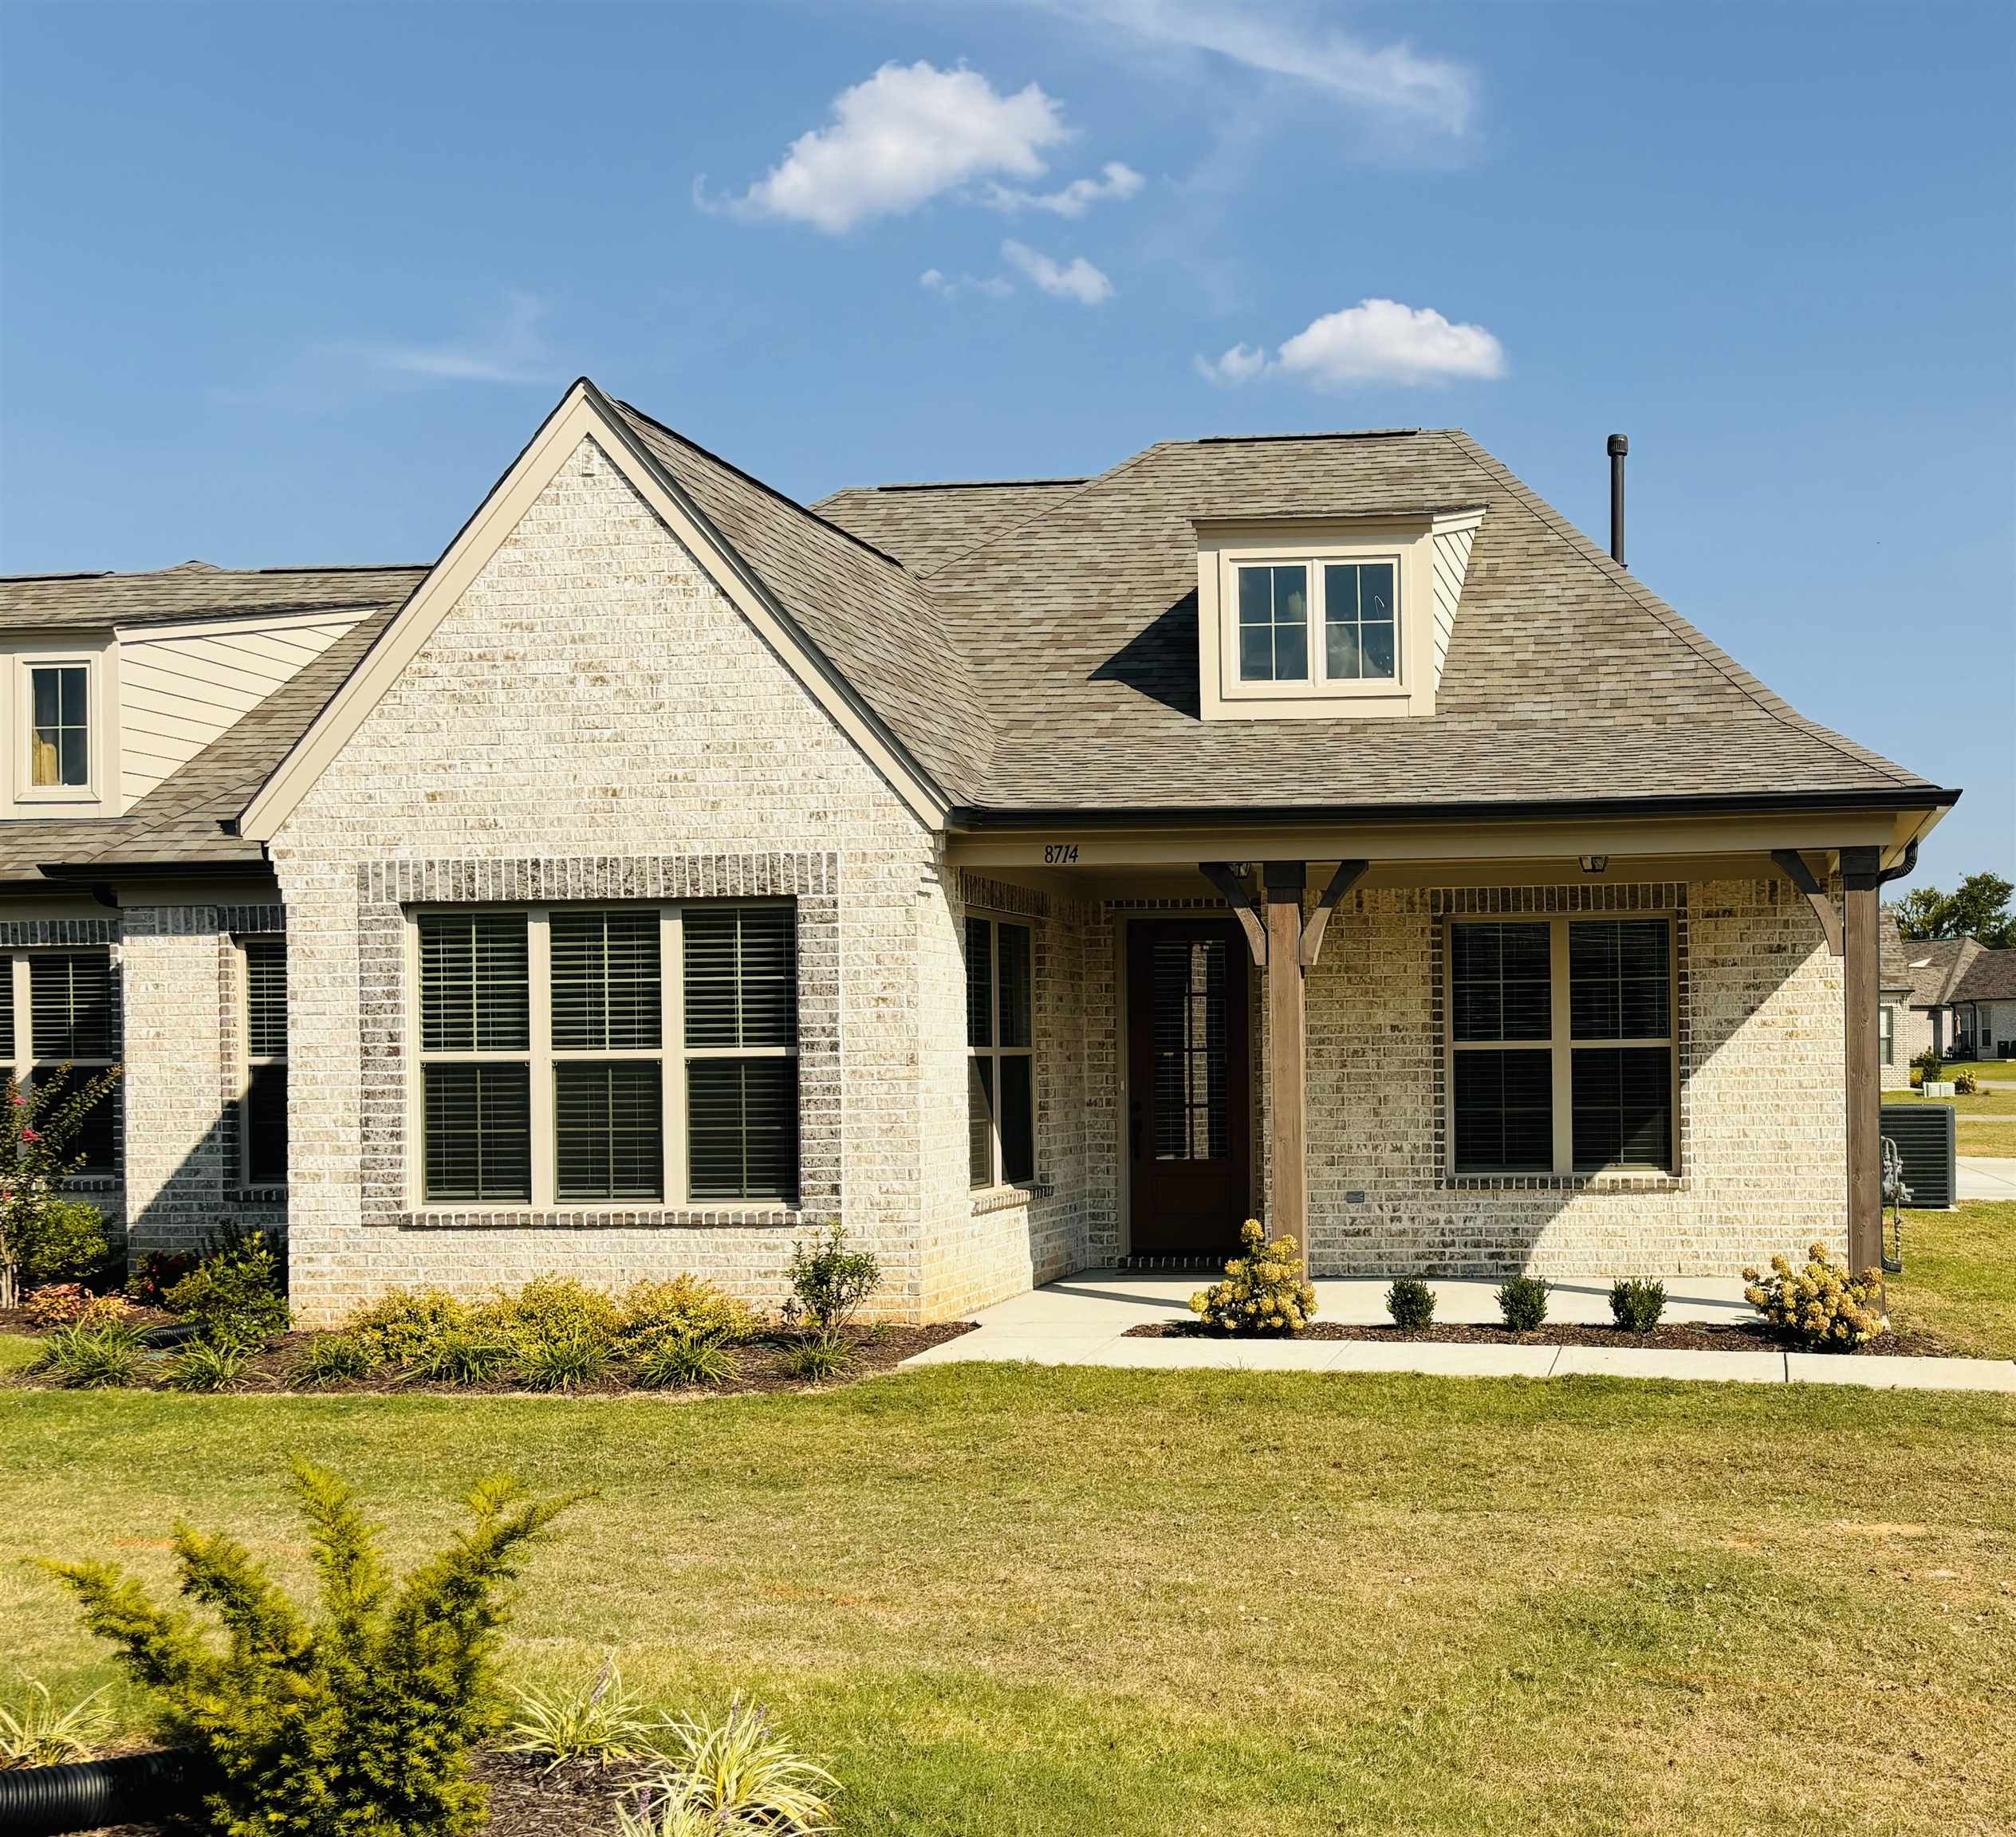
(967, 484)
(1666, 617)
(1092, 483)
(750, 478)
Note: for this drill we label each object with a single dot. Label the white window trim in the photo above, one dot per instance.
(26, 790)
(1886, 1032)
(22, 1064)
(249, 1061)
(1224, 548)
(1561, 1045)
(996, 1053)
(672, 1054)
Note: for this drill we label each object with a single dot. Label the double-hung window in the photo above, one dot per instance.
(56, 1009)
(59, 726)
(615, 1055)
(1561, 1045)
(1319, 621)
(1001, 1091)
(1886, 1029)
(263, 1107)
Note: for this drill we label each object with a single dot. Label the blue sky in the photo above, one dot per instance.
(293, 283)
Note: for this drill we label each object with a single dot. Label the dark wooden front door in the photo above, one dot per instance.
(1189, 1086)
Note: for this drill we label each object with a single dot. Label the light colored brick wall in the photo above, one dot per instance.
(1914, 1036)
(178, 977)
(593, 694)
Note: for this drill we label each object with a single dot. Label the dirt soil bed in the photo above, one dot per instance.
(570, 1802)
(762, 1364)
(1681, 1336)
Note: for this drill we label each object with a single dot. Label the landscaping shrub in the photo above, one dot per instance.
(399, 1326)
(39, 1128)
(359, 1722)
(569, 1361)
(35, 1731)
(830, 1282)
(1966, 1084)
(685, 1308)
(237, 1295)
(331, 1358)
(208, 1365)
(1635, 1306)
(1928, 1066)
(559, 1308)
(91, 1358)
(461, 1355)
(71, 1304)
(64, 1241)
(594, 1724)
(1822, 1308)
(148, 1282)
(818, 1357)
(1263, 1290)
(1522, 1301)
(677, 1359)
(739, 1772)
(1412, 1304)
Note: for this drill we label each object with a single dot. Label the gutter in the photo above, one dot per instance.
(973, 818)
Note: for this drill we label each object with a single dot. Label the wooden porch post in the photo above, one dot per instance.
(1860, 877)
(1287, 1033)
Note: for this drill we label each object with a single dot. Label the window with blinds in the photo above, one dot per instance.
(610, 1055)
(262, 1109)
(1000, 1033)
(57, 1011)
(1560, 1054)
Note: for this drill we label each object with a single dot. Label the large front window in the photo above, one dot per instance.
(1001, 1100)
(617, 1055)
(56, 1012)
(1561, 1045)
(1307, 622)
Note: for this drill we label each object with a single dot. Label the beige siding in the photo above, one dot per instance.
(177, 693)
(1451, 563)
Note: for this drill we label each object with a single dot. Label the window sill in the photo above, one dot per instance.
(987, 1199)
(1642, 1180)
(276, 1195)
(479, 1217)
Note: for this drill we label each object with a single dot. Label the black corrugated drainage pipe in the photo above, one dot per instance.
(85, 1795)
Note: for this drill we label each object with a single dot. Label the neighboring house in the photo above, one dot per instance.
(1903, 1031)
(1966, 994)
(1034, 874)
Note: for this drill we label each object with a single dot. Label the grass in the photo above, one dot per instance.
(1959, 1278)
(19, 1350)
(1993, 1139)
(1006, 1600)
(1989, 1100)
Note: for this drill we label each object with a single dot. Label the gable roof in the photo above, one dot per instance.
(1989, 976)
(1028, 647)
(195, 590)
(1936, 965)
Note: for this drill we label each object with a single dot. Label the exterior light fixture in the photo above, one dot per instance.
(1595, 863)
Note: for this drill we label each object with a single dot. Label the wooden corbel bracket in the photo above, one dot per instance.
(1793, 865)
(1245, 908)
(1347, 876)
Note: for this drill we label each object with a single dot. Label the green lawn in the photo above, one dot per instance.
(1149, 1604)
(1989, 1100)
(1959, 1277)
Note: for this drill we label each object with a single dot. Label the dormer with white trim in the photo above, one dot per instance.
(1327, 618)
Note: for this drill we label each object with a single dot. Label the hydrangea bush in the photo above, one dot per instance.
(1264, 1291)
(1823, 1307)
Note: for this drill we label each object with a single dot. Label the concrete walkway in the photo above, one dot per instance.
(1083, 1319)
(1985, 1176)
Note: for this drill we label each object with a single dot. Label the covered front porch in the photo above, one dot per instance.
(1602, 1045)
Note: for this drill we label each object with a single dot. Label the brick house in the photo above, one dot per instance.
(1034, 874)
(1963, 1001)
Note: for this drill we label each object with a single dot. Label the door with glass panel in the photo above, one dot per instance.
(1189, 1134)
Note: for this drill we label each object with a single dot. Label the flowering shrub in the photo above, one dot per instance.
(38, 1131)
(1823, 1307)
(1263, 1291)
(1966, 1084)
(71, 1304)
(148, 1282)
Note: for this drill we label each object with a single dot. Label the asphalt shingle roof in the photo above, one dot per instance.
(1032, 645)
(1990, 976)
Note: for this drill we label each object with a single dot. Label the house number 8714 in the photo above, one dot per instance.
(1058, 854)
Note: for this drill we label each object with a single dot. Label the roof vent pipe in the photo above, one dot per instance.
(1619, 446)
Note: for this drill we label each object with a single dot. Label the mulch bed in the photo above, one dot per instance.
(570, 1802)
(761, 1365)
(1680, 1336)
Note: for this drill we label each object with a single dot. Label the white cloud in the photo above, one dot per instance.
(908, 133)
(1376, 341)
(1078, 280)
(1393, 80)
(1115, 184)
(950, 286)
(508, 349)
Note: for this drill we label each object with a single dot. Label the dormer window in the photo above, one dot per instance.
(1347, 617)
(59, 733)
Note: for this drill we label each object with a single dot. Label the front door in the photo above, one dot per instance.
(1189, 1086)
